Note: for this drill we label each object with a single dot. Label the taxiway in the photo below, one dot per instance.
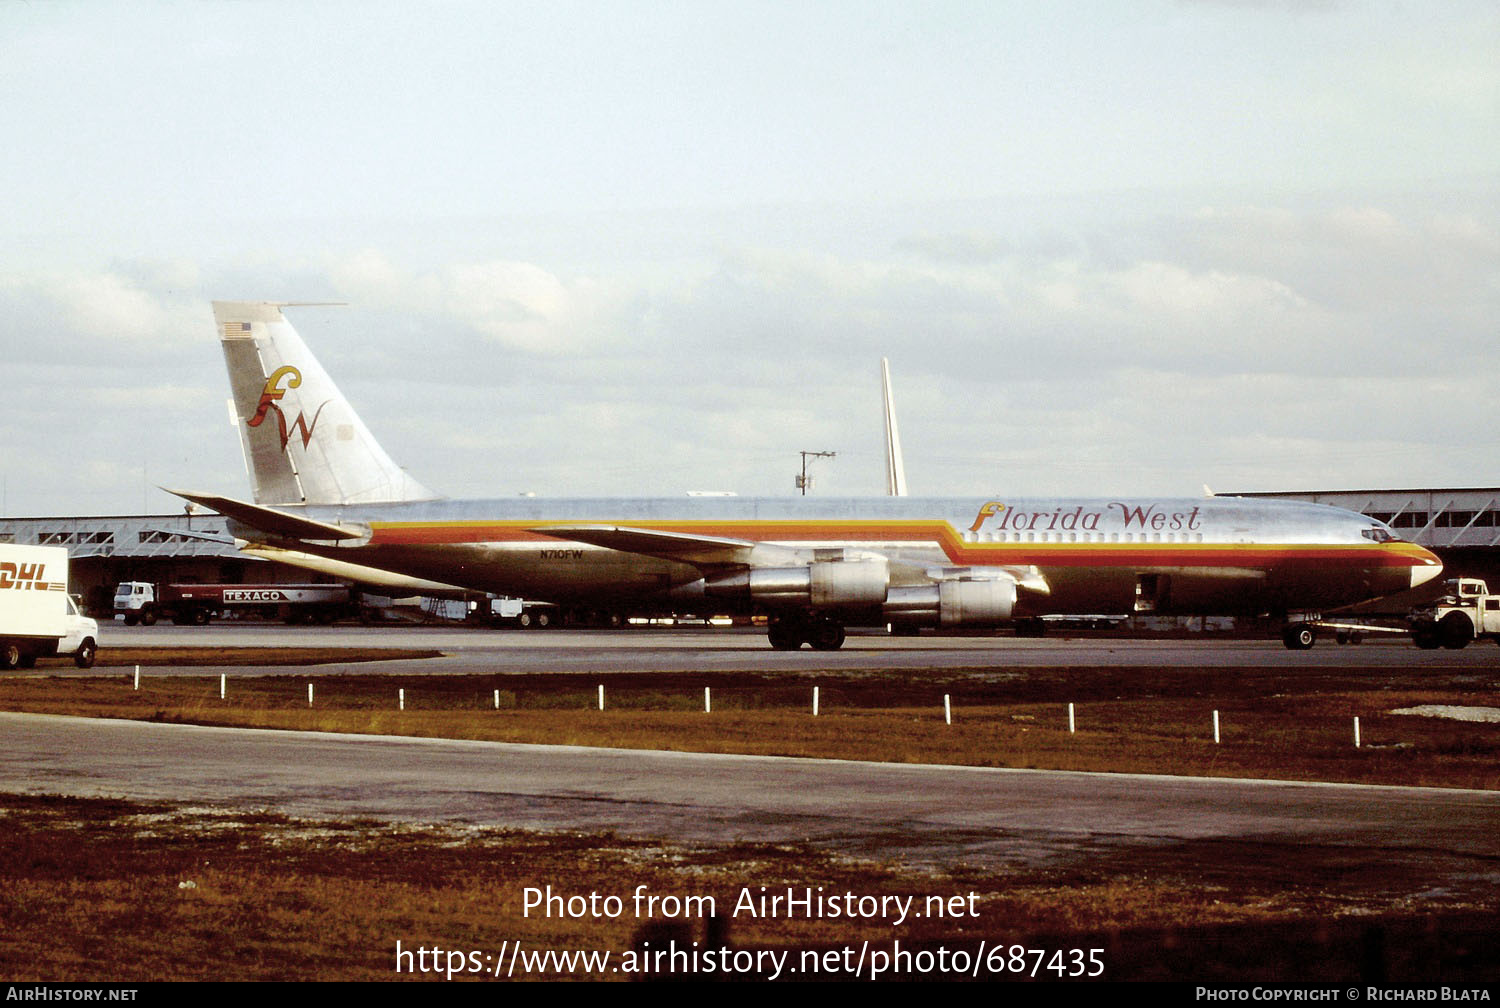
(469, 651)
(927, 815)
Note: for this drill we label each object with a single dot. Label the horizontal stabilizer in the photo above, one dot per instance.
(270, 520)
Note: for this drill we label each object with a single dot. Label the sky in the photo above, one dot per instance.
(632, 248)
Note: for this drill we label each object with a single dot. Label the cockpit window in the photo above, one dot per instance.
(1380, 534)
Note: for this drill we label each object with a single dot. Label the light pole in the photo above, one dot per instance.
(804, 481)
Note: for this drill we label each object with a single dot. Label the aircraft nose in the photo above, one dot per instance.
(1425, 567)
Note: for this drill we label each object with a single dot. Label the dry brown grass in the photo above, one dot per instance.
(177, 657)
(91, 889)
(117, 891)
(1158, 727)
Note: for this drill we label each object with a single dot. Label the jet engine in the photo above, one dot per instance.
(822, 584)
(953, 603)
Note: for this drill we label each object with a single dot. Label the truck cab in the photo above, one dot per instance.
(82, 638)
(136, 601)
(1466, 611)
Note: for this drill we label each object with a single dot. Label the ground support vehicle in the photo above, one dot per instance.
(38, 618)
(1465, 612)
(499, 611)
(197, 604)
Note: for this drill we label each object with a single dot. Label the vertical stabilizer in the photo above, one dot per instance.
(895, 466)
(303, 442)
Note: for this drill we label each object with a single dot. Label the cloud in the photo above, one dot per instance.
(519, 307)
(59, 316)
(1242, 345)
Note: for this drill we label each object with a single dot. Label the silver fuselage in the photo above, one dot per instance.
(1110, 555)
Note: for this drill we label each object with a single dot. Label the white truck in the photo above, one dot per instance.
(1465, 612)
(38, 618)
(505, 611)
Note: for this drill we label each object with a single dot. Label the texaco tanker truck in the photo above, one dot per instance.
(196, 604)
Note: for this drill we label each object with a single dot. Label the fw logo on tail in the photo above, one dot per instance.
(268, 401)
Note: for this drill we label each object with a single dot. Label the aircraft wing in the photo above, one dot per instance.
(373, 577)
(1027, 578)
(715, 552)
(699, 550)
(266, 519)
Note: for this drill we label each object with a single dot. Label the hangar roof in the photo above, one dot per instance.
(162, 536)
(1458, 517)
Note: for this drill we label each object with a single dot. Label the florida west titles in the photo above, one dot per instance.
(995, 516)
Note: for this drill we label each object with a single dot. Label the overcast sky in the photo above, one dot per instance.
(646, 248)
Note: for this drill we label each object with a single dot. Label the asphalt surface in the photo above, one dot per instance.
(709, 649)
(926, 815)
(1412, 840)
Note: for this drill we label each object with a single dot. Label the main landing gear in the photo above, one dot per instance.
(790, 632)
(1299, 636)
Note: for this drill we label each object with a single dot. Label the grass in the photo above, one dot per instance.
(116, 657)
(120, 892)
(1162, 725)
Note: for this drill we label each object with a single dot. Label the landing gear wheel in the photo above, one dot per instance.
(10, 656)
(785, 635)
(1031, 627)
(1299, 636)
(88, 651)
(826, 635)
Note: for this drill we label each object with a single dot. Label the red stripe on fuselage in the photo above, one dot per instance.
(920, 533)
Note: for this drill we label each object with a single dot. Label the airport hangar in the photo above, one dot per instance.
(1462, 526)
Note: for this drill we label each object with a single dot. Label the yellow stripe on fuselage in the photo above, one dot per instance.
(936, 533)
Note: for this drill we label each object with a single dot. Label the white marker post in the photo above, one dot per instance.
(947, 710)
(497, 699)
(401, 699)
(221, 685)
(1216, 727)
(137, 677)
(601, 696)
(309, 694)
(1356, 731)
(708, 707)
(815, 701)
(1071, 725)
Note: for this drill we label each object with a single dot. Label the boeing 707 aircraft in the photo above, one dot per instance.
(327, 496)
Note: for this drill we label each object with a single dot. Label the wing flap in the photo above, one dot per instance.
(1027, 578)
(700, 550)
